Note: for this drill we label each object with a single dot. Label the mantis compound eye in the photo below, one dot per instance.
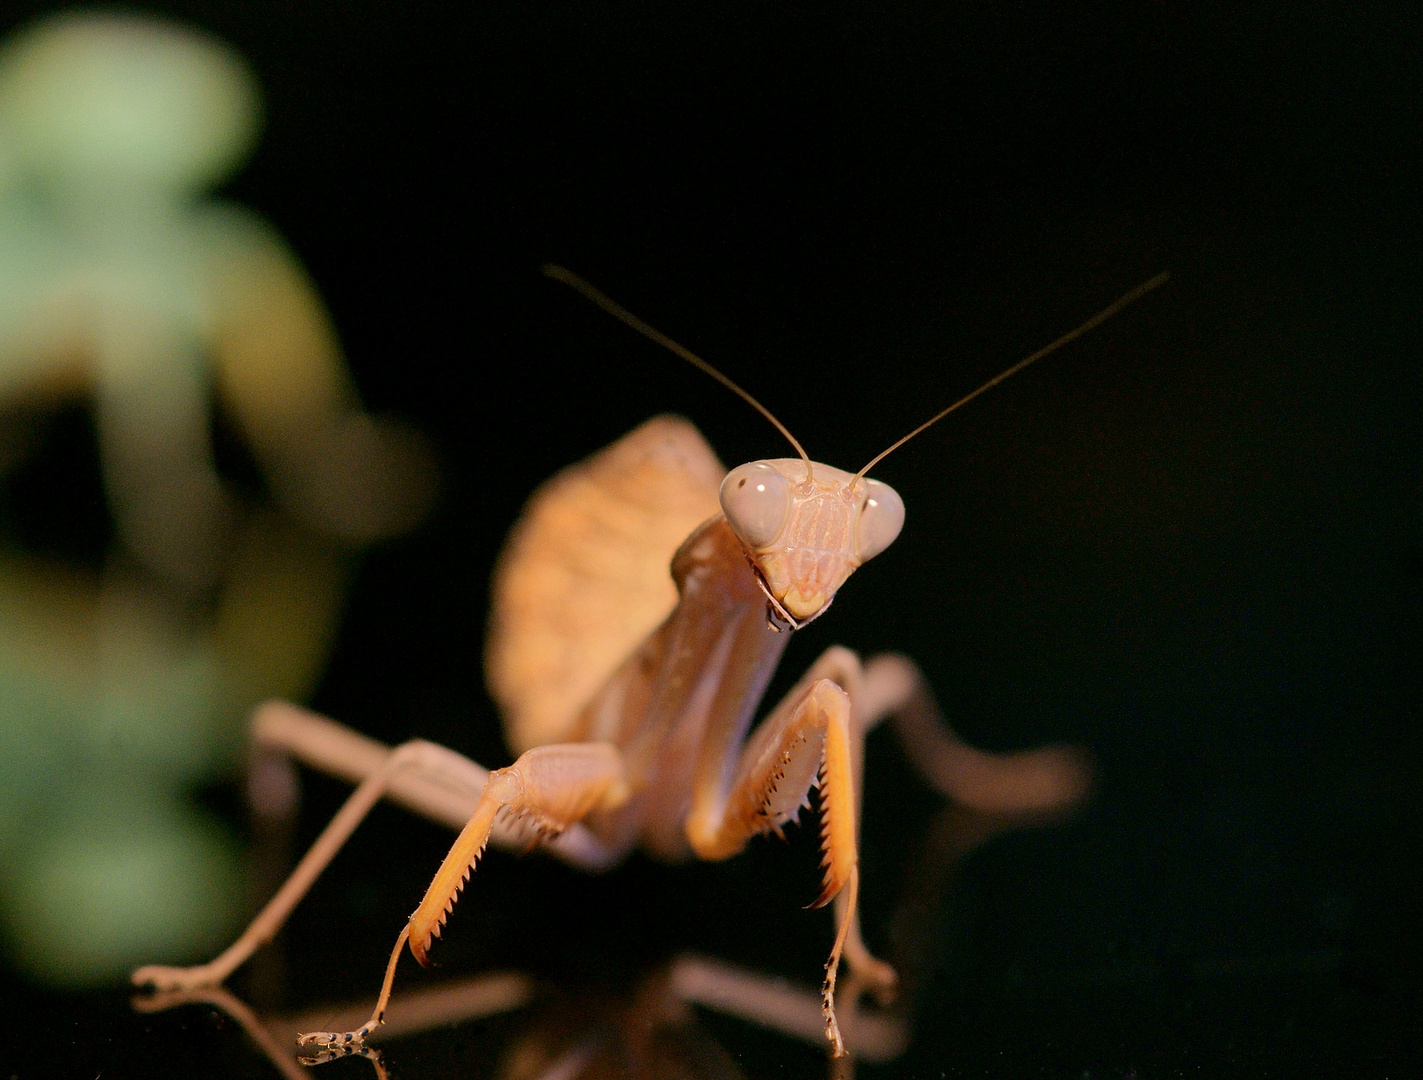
(880, 519)
(756, 500)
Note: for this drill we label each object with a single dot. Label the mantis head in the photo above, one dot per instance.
(808, 528)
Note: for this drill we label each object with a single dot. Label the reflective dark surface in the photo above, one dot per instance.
(1191, 543)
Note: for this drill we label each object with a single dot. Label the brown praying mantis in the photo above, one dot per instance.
(628, 696)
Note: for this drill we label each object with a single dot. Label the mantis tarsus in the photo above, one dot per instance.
(628, 697)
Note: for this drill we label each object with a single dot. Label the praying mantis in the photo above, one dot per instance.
(628, 697)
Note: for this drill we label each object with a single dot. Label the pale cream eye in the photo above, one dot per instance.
(756, 500)
(880, 519)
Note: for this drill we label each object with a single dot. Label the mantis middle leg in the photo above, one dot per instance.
(1044, 780)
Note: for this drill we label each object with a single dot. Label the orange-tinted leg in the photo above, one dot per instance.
(819, 730)
(416, 757)
(807, 737)
(1047, 778)
(551, 787)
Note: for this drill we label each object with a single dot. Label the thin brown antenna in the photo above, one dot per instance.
(1072, 335)
(622, 314)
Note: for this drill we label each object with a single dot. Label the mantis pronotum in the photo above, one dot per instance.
(628, 697)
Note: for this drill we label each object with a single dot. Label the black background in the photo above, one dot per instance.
(1192, 542)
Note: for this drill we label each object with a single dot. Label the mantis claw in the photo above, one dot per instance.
(331, 1044)
(341, 1050)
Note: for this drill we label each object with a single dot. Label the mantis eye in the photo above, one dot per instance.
(881, 518)
(756, 500)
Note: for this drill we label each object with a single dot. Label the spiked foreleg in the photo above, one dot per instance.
(808, 738)
(551, 787)
(1046, 780)
(780, 761)
(842, 667)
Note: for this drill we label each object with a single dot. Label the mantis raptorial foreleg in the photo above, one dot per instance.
(550, 787)
(808, 735)
(824, 720)
(1045, 779)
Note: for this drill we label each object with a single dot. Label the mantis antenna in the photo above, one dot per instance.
(622, 314)
(1096, 320)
